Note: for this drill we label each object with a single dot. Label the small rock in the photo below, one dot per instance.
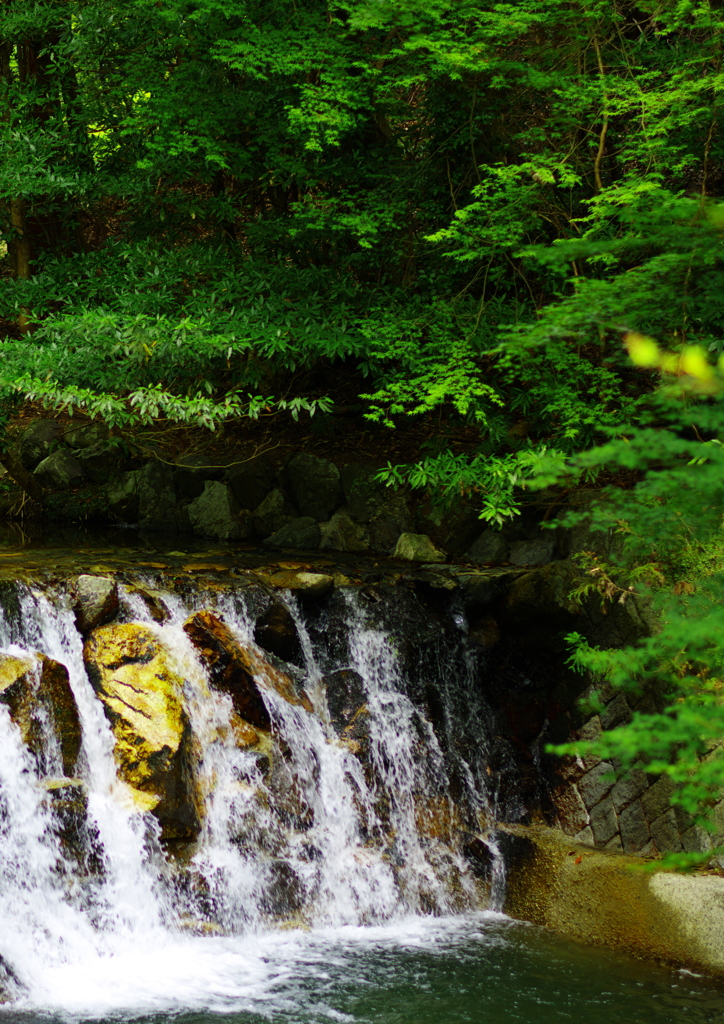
(342, 534)
(37, 442)
(303, 533)
(491, 547)
(633, 827)
(315, 485)
(274, 512)
(216, 513)
(597, 783)
(60, 471)
(665, 833)
(532, 552)
(96, 601)
(345, 696)
(603, 821)
(315, 584)
(416, 547)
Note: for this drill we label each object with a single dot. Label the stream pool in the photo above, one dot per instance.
(480, 968)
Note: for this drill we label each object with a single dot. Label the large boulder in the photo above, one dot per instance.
(451, 527)
(491, 548)
(191, 472)
(60, 471)
(273, 513)
(156, 497)
(363, 493)
(216, 513)
(141, 694)
(124, 496)
(538, 551)
(37, 693)
(86, 435)
(389, 521)
(315, 485)
(99, 462)
(341, 533)
(251, 481)
(38, 441)
(241, 671)
(96, 601)
(303, 534)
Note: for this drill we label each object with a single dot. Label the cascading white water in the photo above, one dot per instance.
(327, 838)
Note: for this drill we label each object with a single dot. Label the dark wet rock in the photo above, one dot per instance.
(242, 672)
(67, 800)
(124, 496)
(315, 485)
(276, 632)
(85, 435)
(390, 521)
(191, 472)
(36, 690)
(156, 497)
(60, 471)
(251, 481)
(303, 533)
(416, 547)
(216, 513)
(96, 601)
(363, 493)
(141, 692)
(532, 552)
(345, 696)
(38, 440)
(341, 533)
(99, 462)
(491, 547)
(11, 987)
(453, 527)
(272, 514)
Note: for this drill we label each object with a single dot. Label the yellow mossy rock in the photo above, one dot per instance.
(36, 690)
(141, 693)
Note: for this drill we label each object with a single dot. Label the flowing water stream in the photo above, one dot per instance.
(332, 886)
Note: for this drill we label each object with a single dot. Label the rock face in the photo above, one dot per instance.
(389, 521)
(96, 601)
(242, 672)
(124, 496)
(156, 497)
(37, 442)
(315, 486)
(251, 481)
(191, 473)
(141, 694)
(602, 897)
(37, 693)
(272, 514)
(60, 471)
(363, 493)
(216, 513)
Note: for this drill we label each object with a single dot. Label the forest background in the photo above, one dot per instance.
(503, 218)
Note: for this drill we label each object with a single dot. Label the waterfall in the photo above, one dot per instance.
(354, 806)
